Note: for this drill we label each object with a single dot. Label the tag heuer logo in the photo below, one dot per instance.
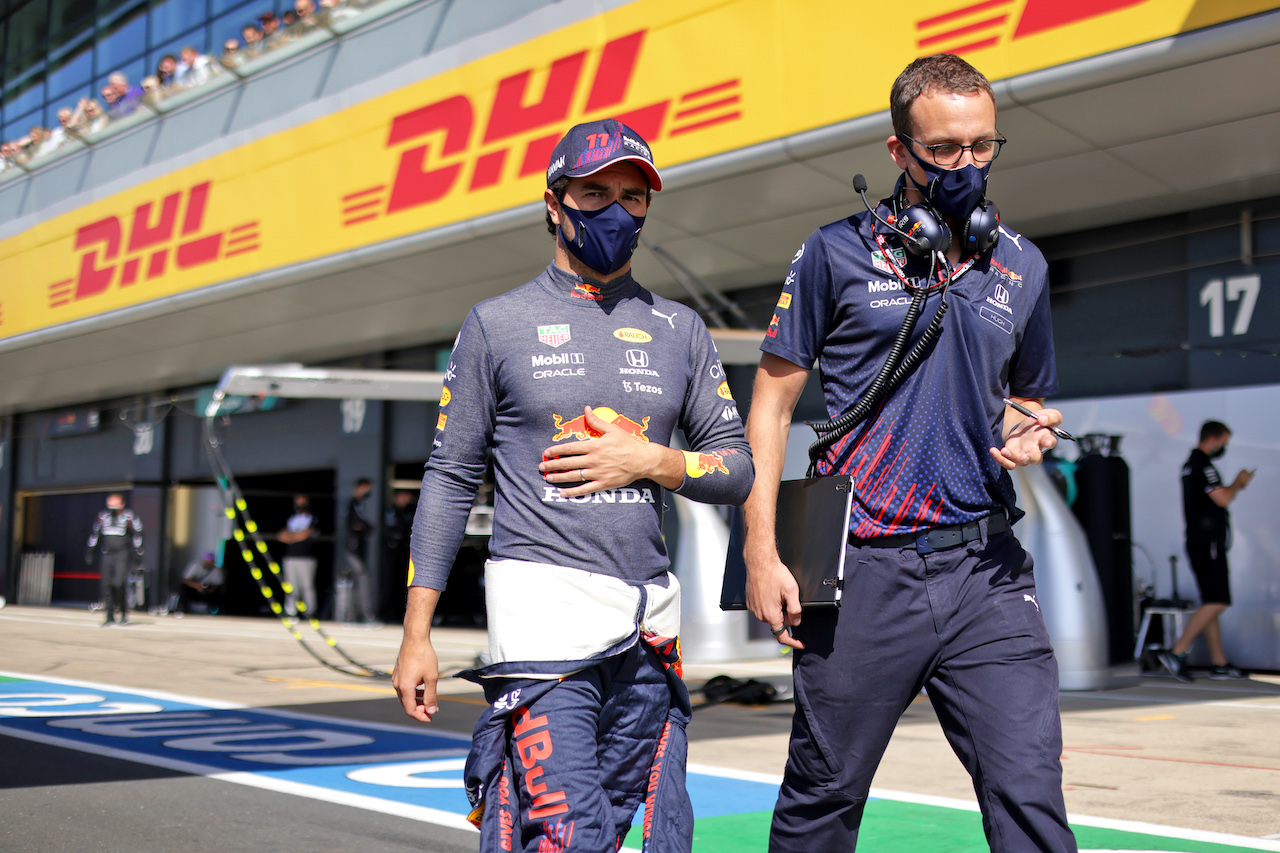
(879, 262)
(554, 335)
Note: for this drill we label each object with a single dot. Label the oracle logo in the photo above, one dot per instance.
(154, 236)
(454, 142)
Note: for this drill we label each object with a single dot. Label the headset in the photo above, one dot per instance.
(924, 233)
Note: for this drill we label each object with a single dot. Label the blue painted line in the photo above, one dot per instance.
(410, 771)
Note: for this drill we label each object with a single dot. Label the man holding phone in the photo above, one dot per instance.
(1204, 505)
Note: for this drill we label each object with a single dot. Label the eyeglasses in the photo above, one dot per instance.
(949, 153)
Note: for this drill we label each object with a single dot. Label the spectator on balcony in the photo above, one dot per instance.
(270, 28)
(92, 116)
(231, 55)
(58, 135)
(122, 99)
(165, 71)
(39, 144)
(253, 43)
(151, 90)
(334, 11)
(194, 68)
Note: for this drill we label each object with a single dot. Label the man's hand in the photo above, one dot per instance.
(614, 457)
(773, 597)
(414, 678)
(1243, 479)
(1026, 438)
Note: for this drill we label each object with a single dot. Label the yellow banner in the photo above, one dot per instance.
(694, 77)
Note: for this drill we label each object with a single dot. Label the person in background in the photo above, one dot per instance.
(203, 580)
(166, 69)
(299, 563)
(359, 530)
(251, 35)
(117, 537)
(122, 99)
(397, 524)
(193, 69)
(1205, 499)
(231, 55)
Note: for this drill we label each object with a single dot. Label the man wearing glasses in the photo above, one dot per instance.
(937, 591)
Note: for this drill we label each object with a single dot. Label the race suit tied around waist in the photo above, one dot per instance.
(812, 531)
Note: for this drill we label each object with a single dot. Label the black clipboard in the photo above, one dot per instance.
(812, 531)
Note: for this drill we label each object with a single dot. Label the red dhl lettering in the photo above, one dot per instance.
(442, 135)
(533, 746)
(151, 236)
(970, 26)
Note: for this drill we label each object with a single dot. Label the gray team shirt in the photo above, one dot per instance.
(523, 367)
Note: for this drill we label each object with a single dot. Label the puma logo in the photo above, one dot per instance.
(671, 320)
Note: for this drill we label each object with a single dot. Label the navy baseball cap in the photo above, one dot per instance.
(589, 147)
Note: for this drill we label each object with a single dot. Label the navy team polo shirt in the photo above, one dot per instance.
(923, 459)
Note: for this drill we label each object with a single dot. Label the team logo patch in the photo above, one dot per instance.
(441, 421)
(445, 397)
(554, 335)
(724, 391)
(579, 428)
(636, 336)
(582, 290)
(784, 301)
(898, 256)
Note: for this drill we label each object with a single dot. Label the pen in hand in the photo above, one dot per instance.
(1058, 431)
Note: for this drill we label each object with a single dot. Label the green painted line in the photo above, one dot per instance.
(896, 827)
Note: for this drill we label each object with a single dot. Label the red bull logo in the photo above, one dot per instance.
(698, 464)
(579, 428)
(583, 290)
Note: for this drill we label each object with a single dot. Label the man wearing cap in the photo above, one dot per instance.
(575, 383)
(202, 579)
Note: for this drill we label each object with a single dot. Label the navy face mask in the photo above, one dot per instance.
(603, 239)
(1217, 454)
(953, 192)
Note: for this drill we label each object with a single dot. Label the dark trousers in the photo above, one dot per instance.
(965, 624)
(115, 571)
(581, 757)
(359, 607)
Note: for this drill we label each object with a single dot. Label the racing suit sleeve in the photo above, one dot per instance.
(464, 431)
(97, 531)
(135, 524)
(719, 469)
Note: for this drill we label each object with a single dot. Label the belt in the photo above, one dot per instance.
(940, 538)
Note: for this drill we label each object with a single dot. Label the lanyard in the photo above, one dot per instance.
(893, 265)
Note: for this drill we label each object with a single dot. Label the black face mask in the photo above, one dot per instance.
(300, 507)
(1217, 454)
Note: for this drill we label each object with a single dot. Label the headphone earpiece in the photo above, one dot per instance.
(982, 229)
(922, 232)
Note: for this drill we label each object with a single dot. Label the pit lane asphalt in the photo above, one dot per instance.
(1204, 756)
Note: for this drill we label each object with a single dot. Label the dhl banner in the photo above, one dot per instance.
(695, 77)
